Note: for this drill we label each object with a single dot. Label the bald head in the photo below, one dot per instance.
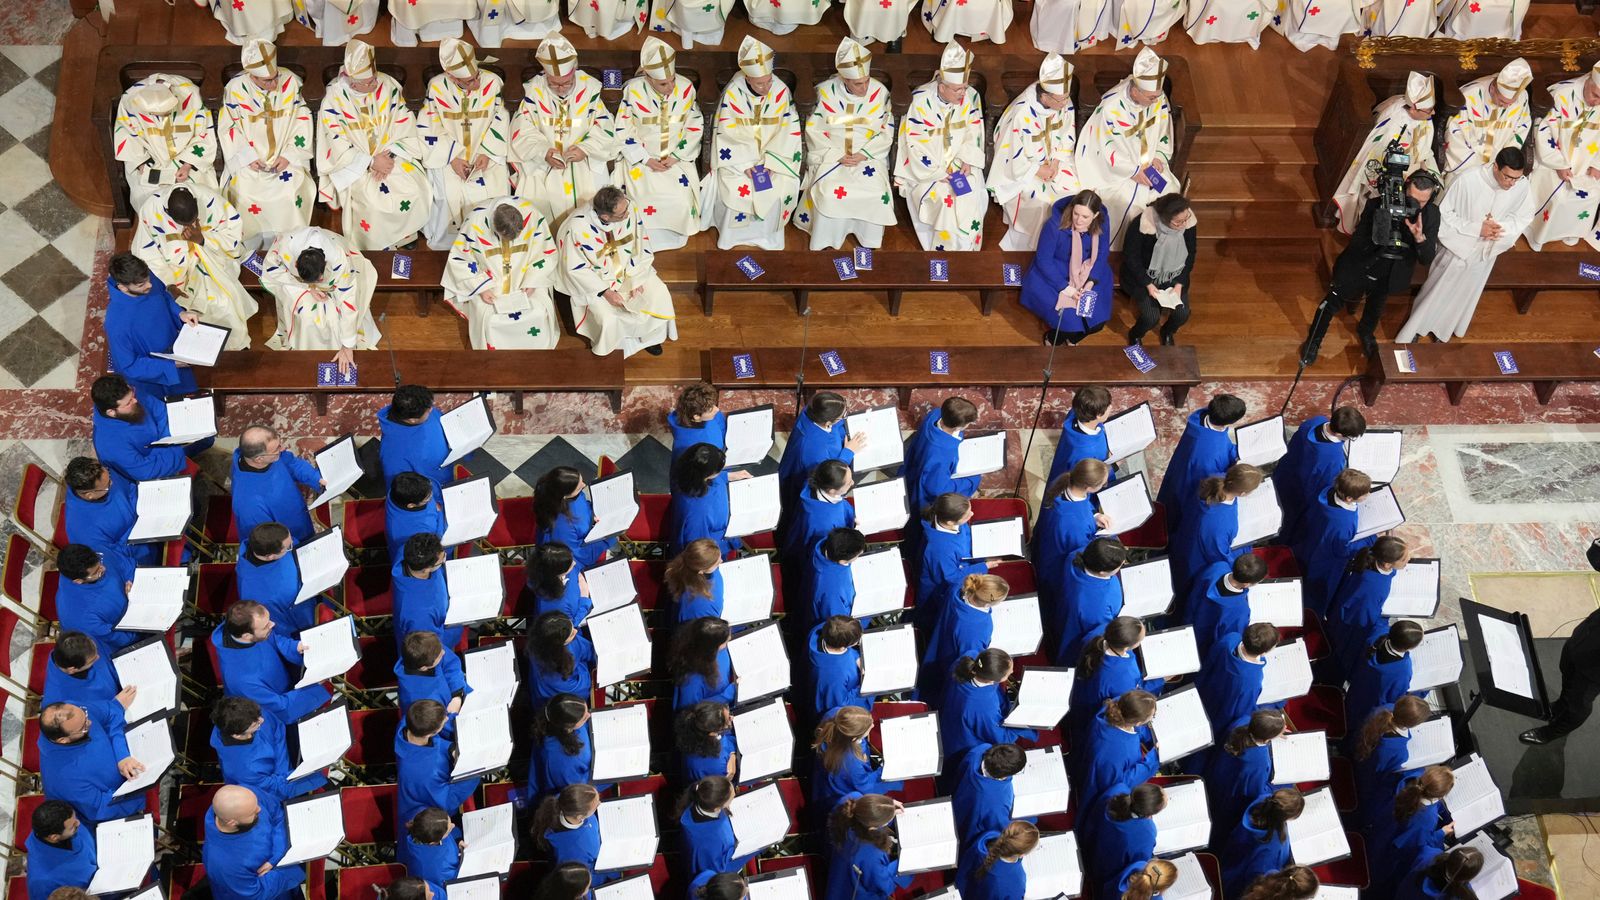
(260, 445)
(234, 807)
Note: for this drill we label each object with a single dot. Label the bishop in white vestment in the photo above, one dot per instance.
(1314, 23)
(1401, 18)
(1407, 118)
(1494, 115)
(848, 139)
(499, 275)
(427, 21)
(1482, 214)
(464, 129)
(189, 237)
(520, 20)
(245, 20)
(163, 136)
(563, 136)
(756, 154)
(1145, 21)
(323, 290)
(975, 20)
(265, 129)
(610, 19)
(1067, 26)
(1566, 182)
(1034, 160)
(1467, 19)
(661, 129)
(336, 22)
(608, 270)
(370, 165)
(877, 20)
(1127, 135)
(939, 170)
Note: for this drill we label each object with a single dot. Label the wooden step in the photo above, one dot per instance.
(1252, 181)
(1256, 219)
(1265, 146)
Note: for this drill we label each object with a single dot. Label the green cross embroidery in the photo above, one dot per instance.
(300, 141)
(975, 225)
(683, 144)
(1253, 16)
(1583, 215)
(405, 205)
(884, 198)
(539, 264)
(298, 202)
(198, 151)
(797, 156)
(534, 331)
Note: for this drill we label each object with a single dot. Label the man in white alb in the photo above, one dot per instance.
(163, 136)
(265, 129)
(1034, 160)
(499, 275)
(465, 133)
(939, 170)
(1566, 183)
(1125, 148)
(848, 139)
(618, 300)
(756, 153)
(562, 135)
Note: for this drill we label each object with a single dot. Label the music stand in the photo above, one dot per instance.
(1490, 690)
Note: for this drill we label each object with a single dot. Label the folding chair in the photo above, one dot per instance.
(1527, 890)
(1352, 870)
(185, 879)
(369, 819)
(373, 674)
(1320, 710)
(30, 685)
(367, 592)
(216, 588)
(1152, 535)
(364, 528)
(37, 512)
(371, 752)
(515, 526)
(12, 571)
(193, 802)
(17, 887)
(1018, 575)
(361, 882)
(648, 581)
(1280, 561)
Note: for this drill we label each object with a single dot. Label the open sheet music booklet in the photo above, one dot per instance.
(1378, 512)
(321, 738)
(1017, 626)
(151, 744)
(621, 739)
(1126, 504)
(1185, 823)
(125, 850)
(1042, 697)
(1431, 743)
(1317, 836)
(785, 884)
(189, 420)
(1260, 516)
(884, 448)
(330, 650)
(636, 888)
(1510, 667)
(928, 836)
(881, 506)
(759, 818)
(491, 672)
(315, 825)
(1191, 883)
(746, 589)
(754, 505)
(1261, 443)
(1163, 654)
(1414, 591)
(1475, 801)
(1498, 880)
(1146, 588)
(1041, 787)
(1299, 756)
(628, 835)
(615, 505)
(469, 510)
(1181, 725)
(1278, 601)
(765, 740)
(611, 585)
(1288, 673)
(147, 665)
(321, 563)
(621, 644)
(912, 747)
(1129, 432)
(980, 454)
(162, 507)
(1376, 453)
(487, 887)
(197, 345)
(888, 659)
(880, 582)
(466, 428)
(1437, 661)
(1054, 868)
(337, 465)
(483, 740)
(759, 662)
(156, 601)
(997, 538)
(749, 436)
(489, 836)
(475, 589)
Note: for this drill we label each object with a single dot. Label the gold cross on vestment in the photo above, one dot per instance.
(168, 129)
(268, 117)
(1147, 119)
(849, 123)
(505, 252)
(466, 116)
(662, 121)
(614, 245)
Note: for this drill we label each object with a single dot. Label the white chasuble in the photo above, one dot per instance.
(472, 126)
(502, 287)
(597, 257)
(1120, 139)
(668, 130)
(354, 128)
(257, 127)
(331, 313)
(547, 122)
(1028, 136)
(154, 148)
(1568, 138)
(203, 275)
(936, 140)
(754, 130)
(1392, 123)
(842, 124)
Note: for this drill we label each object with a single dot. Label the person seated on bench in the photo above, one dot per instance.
(428, 20)
(1158, 254)
(848, 139)
(499, 275)
(608, 269)
(1034, 165)
(465, 129)
(1127, 139)
(324, 294)
(660, 125)
(756, 152)
(266, 133)
(163, 136)
(337, 21)
(940, 167)
(563, 137)
(189, 237)
(1069, 283)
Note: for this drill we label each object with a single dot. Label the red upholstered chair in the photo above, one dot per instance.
(1213, 869)
(794, 800)
(1352, 870)
(1018, 574)
(366, 591)
(372, 736)
(363, 524)
(1152, 535)
(654, 784)
(1320, 710)
(369, 813)
(1342, 779)
(1310, 630)
(1280, 561)
(362, 882)
(216, 588)
(184, 879)
(193, 802)
(11, 575)
(516, 526)
(648, 581)
(1527, 890)
(37, 512)
(17, 887)
(650, 526)
(375, 670)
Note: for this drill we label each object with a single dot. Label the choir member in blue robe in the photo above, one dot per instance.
(991, 868)
(822, 508)
(565, 824)
(428, 671)
(412, 436)
(1069, 283)
(98, 509)
(931, 454)
(562, 509)
(77, 672)
(1240, 768)
(1119, 748)
(1081, 434)
(843, 763)
(1325, 539)
(93, 596)
(1091, 596)
(83, 756)
(1206, 537)
(259, 663)
(421, 597)
(699, 504)
(412, 507)
(696, 419)
(984, 792)
(703, 736)
(1067, 523)
(1380, 751)
(1383, 674)
(267, 484)
(1355, 616)
(694, 581)
(1220, 601)
(127, 424)
(563, 751)
(1230, 681)
(423, 760)
(1205, 449)
(1107, 669)
(863, 864)
(701, 666)
(1316, 456)
(706, 828)
(1436, 876)
(819, 433)
(1418, 825)
(254, 752)
(831, 585)
(834, 650)
(268, 574)
(1145, 878)
(943, 562)
(430, 849)
(61, 852)
(568, 881)
(1260, 842)
(964, 629)
(244, 832)
(561, 659)
(974, 707)
(142, 319)
(553, 583)
(1121, 831)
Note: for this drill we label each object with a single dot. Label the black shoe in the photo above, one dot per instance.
(1169, 340)
(1541, 735)
(1369, 346)
(653, 351)
(893, 47)
(1135, 341)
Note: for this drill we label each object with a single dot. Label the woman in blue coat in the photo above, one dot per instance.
(863, 860)
(1120, 748)
(704, 739)
(844, 765)
(562, 510)
(554, 583)
(1120, 832)
(1380, 751)
(830, 583)
(565, 825)
(822, 508)
(1241, 768)
(1069, 284)
(964, 629)
(430, 849)
(1383, 674)
(991, 868)
(1206, 537)
(699, 504)
(1437, 876)
(1355, 616)
(696, 419)
(706, 829)
(984, 793)
(1205, 449)
(1325, 538)
(1091, 596)
(1417, 826)
(941, 563)
(1067, 523)
(1316, 456)
(1260, 843)
(834, 650)
(1081, 435)
(701, 666)
(560, 659)
(694, 582)
(1107, 669)
(974, 709)
(563, 746)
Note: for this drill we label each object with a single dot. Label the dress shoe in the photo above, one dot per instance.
(1169, 340)
(653, 351)
(1540, 735)
(1369, 346)
(1135, 341)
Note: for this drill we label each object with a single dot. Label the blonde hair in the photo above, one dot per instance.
(984, 591)
(1157, 875)
(841, 734)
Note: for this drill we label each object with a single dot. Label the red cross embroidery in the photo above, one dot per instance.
(255, 210)
(885, 3)
(365, 226)
(353, 20)
(649, 210)
(949, 201)
(839, 192)
(744, 190)
(1475, 8)
(238, 4)
(1211, 20)
(1314, 10)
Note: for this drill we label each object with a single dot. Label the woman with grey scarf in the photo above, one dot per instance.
(1157, 258)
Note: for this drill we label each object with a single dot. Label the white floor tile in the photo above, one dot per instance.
(26, 109)
(21, 172)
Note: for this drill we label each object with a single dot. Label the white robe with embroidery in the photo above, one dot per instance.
(596, 258)
(694, 21)
(522, 20)
(337, 21)
(547, 121)
(156, 147)
(1229, 21)
(463, 124)
(1401, 18)
(501, 287)
(247, 20)
(1029, 135)
(936, 139)
(1480, 129)
(610, 19)
(333, 313)
(1067, 26)
(1145, 21)
(651, 126)
(1467, 19)
(975, 20)
(838, 199)
(1121, 138)
(1390, 122)
(754, 130)
(1319, 23)
(877, 20)
(429, 20)
(203, 277)
(353, 128)
(258, 125)
(1568, 138)
(783, 16)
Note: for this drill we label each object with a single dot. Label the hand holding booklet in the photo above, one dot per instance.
(980, 455)
(888, 659)
(1042, 698)
(911, 746)
(474, 589)
(1129, 432)
(189, 420)
(760, 819)
(197, 345)
(880, 582)
(321, 738)
(151, 744)
(749, 436)
(337, 465)
(148, 665)
(162, 508)
(998, 538)
(321, 562)
(125, 851)
(615, 506)
(469, 510)
(156, 601)
(466, 428)
(330, 649)
(754, 505)
(1260, 516)
(1126, 504)
(315, 825)
(884, 449)
(881, 506)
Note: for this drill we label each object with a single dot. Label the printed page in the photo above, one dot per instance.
(1054, 868)
(1475, 801)
(1498, 880)
(1017, 626)
(487, 887)
(330, 649)
(1261, 443)
(125, 851)
(888, 659)
(1376, 453)
(621, 644)
(747, 592)
(765, 740)
(190, 420)
(1041, 787)
(1299, 757)
(786, 884)
(1414, 591)
(490, 838)
(1278, 601)
(466, 428)
(628, 835)
(636, 888)
(1001, 537)
(980, 455)
(1288, 673)
(1317, 836)
(483, 741)
(315, 825)
(151, 744)
(611, 585)
(1126, 504)
(1509, 666)
(749, 436)
(1437, 661)
(1191, 883)
(1431, 743)
(754, 505)
(881, 506)
(1146, 588)
(911, 746)
(163, 507)
(469, 511)
(760, 819)
(476, 591)
(1129, 432)
(760, 663)
(321, 562)
(1181, 726)
(1164, 654)
(197, 345)
(1042, 698)
(621, 736)
(1260, 516)
(337, 465)
(156, 601)
(323, 737)
(491, 672)
(1377, 513)
(928, 836)
(880, 582)
(1185, 824)
(615, 505)
(884, 447)
(148, 666)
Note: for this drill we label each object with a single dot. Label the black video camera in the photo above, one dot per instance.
(1395, 206)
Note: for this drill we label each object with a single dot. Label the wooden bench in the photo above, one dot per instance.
(893, 273)
(426, 281)
(1544, 365)
(998, 368)
(516, 372)
(1525, 273)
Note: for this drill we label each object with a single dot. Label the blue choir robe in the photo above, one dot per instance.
(1214, 609)
(686, 434)
(275, 585)
(691, 606)
(419, 448)
(129, 448)
(1233, 781)
(971, 715)
(1398, 843)
(231, 860)
(1378, 776)
(420, 604)
(692, 518)
(1127, 876)
(1308, 469)
(814, 520)
(1112, 845)
(545, 683)
(579, 845)
(399, 524)
(572, 527)
(437, 864)
(930, 464)
(1373, 684)
(982, 802)
(1204, 539)
(572, 603)
(261, 763)
(1249, 853)
(696, 767)
(84, 773)
(95, 607)
(51, 866)
(551, 768)
(137, 327)
(103, 525)
(1089, 603)
(96, 684)
(962, 630)
(832, 589)
(1051, 271)
(1076, 444)
(1114, 757)
(1202, 452)
(266, 673)
(1003, 881)
(1323, 544)
(422, 773)
(1418, 886)
(1229, 685)
(809, 444)
(1355, 616)
(943, 565)
(708, 843)
(694, 688)
(1065, 527)
(1116, 676)
(274, 495)
(835, 677)
(858, 870)
(444, 682)
(855, 776)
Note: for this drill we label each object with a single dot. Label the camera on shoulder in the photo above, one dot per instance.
(1394, 205)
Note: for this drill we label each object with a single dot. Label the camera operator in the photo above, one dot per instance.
(1366, 268)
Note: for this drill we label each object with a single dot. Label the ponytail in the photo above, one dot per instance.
(685, 575)
(573, 802)
(1387, 550)
(1433, 784)
(1132, 709)
(1292, 883)
(992, 664)
(1142, 802)
(1157, 876)
(946, 508)
(1408, 712)
(1275, 811)
(1264, 725)
(867, 817)
(1453, 870)
(1018, 839)
(1120, 635)
(984, 591)
(840, 735)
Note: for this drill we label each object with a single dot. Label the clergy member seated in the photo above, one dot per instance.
(848, 140)
(931, 454)
(754, 183)
(1493, 116)
(143, 319)
(660, 127)
(412, 437)
(563, 136)
(93, 596)
(84, 761)
(263, 666)
(246, 835)
(428, 20)
(421, 598)
(1407, 118)
(1068, 285)
(268, 484)
(254, 752)
(523, 20)
(265, 128)
(61, 852)
(127, 424)
(608, 270)
(268, 574)
(77, 672)
(1568, 174)
(423, 759)
(242, 22)
(189, 236)
(1125, 148)
(939, 169)
(99, 512)
(1034, 164)
(323, 290)
(337, 21)
(1468, 19)
(1157, 258)
(412, 507)
(975, 20)
(465, 132)
(501, 268)
(163, 136)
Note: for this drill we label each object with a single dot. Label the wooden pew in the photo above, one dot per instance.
(1544, 365)
(426, 281)
(516, 372)
(893, 273)
(1523, 272)
(1000, 369)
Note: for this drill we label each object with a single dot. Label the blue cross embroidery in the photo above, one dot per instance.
(926, 161)
(869, 171)
(1583, 195)
(631, 141)
(938, 246)
(1127, 40)
(661, 28)
(804, 217)
(432, 139)
(725, 153)
(1552, 143)
(683, 180)
(739, 217)
(928, 16)
(481, 183)
(494, 14)
(472, 267)
(516, 317)
(285, 175)
(383, 189)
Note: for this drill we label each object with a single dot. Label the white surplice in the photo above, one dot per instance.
(610, 19)
(428, 21)
(754, 130)
(877, 20)
(1067, 26)
(520, 20)
(1145, 21)
(975, 20)
(936, 139)
(337, 21)
(1314, 23)
(653, 126)
(1229, 21)
(1467, 19)
(1402, 18)
(838, 200)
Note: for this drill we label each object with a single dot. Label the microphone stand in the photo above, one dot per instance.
(393, 364)
(1044, 388)
(1313, 345)
(800, 370)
